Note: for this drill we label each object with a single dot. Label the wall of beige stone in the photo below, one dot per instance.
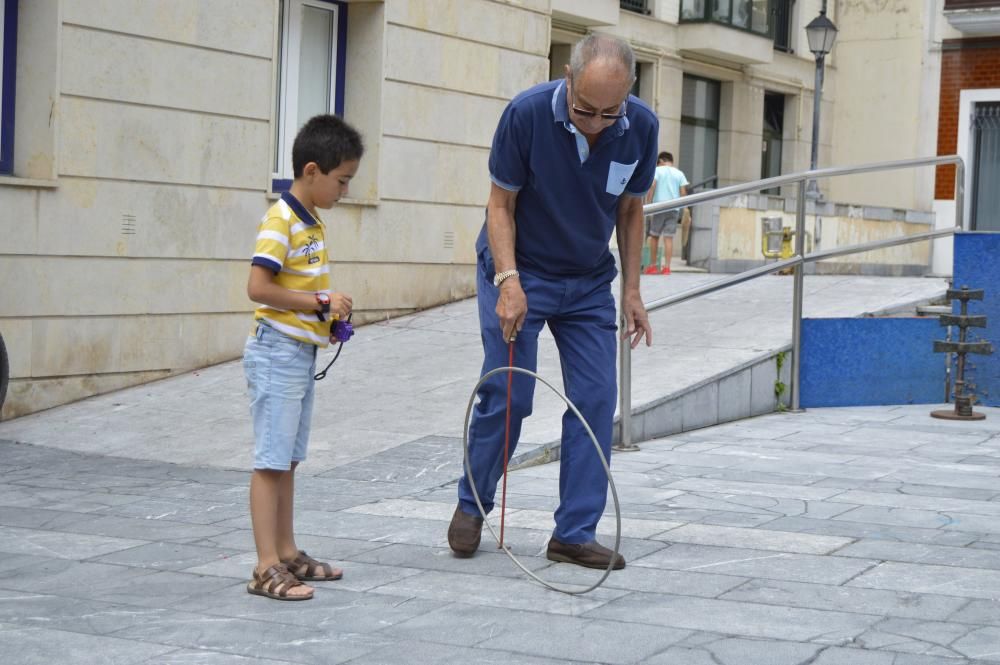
(740, 235)
(146, 135)
(144, 144)
(141, 161)
(888, 110)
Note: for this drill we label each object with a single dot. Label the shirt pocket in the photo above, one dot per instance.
(618, 176)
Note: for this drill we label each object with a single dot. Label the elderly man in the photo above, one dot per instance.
(571, 161)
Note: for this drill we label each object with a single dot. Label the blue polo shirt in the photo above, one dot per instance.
(567, 194)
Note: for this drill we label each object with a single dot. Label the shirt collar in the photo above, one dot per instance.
(560, 111)
(299, 209)
(560, 106)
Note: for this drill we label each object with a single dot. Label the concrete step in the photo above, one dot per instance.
(749, 389)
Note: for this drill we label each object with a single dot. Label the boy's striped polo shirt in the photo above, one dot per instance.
(291, 243)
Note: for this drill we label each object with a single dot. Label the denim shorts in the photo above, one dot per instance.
(279, 373)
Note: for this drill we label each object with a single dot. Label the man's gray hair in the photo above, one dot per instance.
(597, 46)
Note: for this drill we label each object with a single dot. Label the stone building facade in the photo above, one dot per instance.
(141, 140)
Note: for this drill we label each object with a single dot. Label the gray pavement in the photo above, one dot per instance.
(411, 377)
(833, 537)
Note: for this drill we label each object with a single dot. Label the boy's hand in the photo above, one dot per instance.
(341, 304)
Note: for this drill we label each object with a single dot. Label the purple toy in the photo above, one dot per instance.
(342, 331)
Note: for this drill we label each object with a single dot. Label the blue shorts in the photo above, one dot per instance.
(279, 373)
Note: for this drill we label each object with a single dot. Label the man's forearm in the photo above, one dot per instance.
(630, 239)
(500, 231)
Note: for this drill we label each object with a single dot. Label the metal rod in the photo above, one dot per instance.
(625, 380)
(947, 371)
(718, 285)
(817, 102)
(714, 178)
(766, 269)
(959, 227)
(960, 195)
(625, 358)
(794, 178)
(960, 367)
(798, 285)
(879, 244)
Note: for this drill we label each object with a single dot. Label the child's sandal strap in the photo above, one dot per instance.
(276, 581)
(312, 567)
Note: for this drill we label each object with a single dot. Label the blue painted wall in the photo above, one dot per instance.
(867, 362)
(859, 362)
(977, 265)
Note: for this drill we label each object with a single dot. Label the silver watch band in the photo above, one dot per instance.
(499, 278)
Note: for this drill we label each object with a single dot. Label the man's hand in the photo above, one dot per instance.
(341, 305)
(512, 305)
(636, 320)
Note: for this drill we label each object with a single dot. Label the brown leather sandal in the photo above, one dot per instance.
(275, 582)
(312, 567)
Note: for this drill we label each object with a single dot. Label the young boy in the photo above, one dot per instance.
(669, 183)
(290, 278)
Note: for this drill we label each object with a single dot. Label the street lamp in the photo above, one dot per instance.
(821, 33)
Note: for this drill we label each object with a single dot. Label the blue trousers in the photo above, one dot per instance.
(580, 312)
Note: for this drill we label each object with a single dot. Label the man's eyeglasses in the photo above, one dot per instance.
(587, 113)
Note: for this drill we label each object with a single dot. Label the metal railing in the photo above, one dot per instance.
(796, 262)
(639, 6)
(714, 179)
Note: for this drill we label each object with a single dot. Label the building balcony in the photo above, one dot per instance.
(975, 18)
(736, 31)
(586, 12)
(637, 6)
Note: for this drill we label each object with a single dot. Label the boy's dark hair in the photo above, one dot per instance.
(328, 141)
(665, 157)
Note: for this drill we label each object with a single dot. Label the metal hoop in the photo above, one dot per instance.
(600, 454)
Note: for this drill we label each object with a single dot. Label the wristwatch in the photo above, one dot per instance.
(323, 300)
(501, 276)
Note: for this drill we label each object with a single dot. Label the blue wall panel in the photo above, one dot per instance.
(873, 361)
(878, 361)
(977, 265)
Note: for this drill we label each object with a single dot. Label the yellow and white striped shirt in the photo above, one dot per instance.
(291, 243)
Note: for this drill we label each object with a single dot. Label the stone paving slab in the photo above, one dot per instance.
(926, 578)
(935, 554)
(345, 611)
(748, 544)
(863, 601)
(744, 619)
(523, 632)
(32, 645)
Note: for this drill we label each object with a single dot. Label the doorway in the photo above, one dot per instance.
(774, 128)
(985, 144)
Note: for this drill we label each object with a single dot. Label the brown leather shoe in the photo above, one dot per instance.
(589, 555)
(464, 533)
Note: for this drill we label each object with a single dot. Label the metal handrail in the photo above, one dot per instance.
(769, 268)
(796, 262)
(795, 178)
(711, 178)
